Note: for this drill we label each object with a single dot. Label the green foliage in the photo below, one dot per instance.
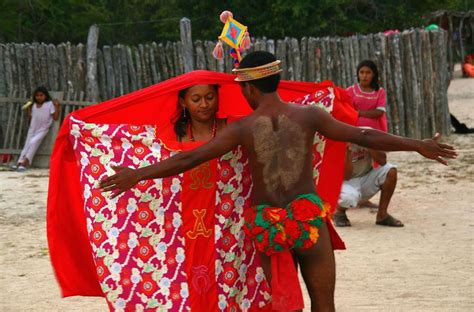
(140, 21)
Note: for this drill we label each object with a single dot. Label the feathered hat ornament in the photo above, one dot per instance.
(235, 35)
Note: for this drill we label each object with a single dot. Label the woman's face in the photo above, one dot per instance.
(365, 76)
(40, 97)
(201, 102)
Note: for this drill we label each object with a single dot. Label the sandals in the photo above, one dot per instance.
(390, 221)
(341, 220)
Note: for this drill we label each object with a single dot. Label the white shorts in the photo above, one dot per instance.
(362, 188)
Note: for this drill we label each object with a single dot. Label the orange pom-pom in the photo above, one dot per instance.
(218, 51)
(225, 16)
(245, 44)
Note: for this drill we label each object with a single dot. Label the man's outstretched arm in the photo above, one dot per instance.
(378, 140)
(125, 178)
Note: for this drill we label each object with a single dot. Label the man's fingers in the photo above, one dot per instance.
(436, 137)
(108, 179)
(107, 182)
(441, 160)
(448, 155)
(109, 188)
(448, 150)
(446, 146)
(117, 168)
(116, 193)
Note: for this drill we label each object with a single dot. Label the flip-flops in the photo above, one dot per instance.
(390, 221)
(341, 220)
(21, 169)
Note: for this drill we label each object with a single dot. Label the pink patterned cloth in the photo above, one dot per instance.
(137, 238)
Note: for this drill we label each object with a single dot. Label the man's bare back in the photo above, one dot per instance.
(279, 144)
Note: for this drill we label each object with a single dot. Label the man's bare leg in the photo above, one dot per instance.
(318, 268)
(387, 189)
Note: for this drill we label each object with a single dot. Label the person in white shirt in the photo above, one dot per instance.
(362, 180)
(42, 112)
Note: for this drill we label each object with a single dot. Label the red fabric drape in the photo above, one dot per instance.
(156, 104)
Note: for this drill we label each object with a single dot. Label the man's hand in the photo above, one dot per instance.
(123, 180)
(433, 150)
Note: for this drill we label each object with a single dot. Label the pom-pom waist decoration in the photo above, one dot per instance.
(259, 72)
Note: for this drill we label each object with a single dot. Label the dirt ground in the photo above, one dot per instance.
(426, 266)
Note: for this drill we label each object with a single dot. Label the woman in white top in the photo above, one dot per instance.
(42, 113)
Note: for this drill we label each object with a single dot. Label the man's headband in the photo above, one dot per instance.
(259, 72)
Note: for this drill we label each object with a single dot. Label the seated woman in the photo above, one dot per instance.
(196, 119)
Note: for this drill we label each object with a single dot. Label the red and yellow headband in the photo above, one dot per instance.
(259, 72)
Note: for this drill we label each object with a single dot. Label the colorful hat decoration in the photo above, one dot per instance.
(235, 35)
(259, 72)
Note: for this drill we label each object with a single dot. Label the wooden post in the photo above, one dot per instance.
(3, 85)
(116, 61)
(101, 77)
(162, 61)
(211, 61)
(62, 67)
(200, 55)
(187, 44)
(311, 70)
(271, 46)
(294, 54)
(169, 59)
(409, 84)
(125, 74)
(109, 71)
(280, 53)
(155, 72)
(317, 60)
(461, 45)
(304, 59)
(428, 88)
(131, 70)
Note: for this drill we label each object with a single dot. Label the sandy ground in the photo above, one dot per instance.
(426, 266)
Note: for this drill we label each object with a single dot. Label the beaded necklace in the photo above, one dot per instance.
(214, 131)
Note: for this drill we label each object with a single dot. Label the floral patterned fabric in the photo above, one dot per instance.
(138, 240)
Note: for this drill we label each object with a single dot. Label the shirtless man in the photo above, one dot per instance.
(278, 138)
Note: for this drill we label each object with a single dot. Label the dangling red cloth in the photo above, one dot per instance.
(286, 289)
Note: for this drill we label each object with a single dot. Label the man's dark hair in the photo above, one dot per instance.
(268, 84)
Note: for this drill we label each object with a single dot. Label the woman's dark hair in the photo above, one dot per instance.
(268, 84)
(183, 116)
(42, 90)
(375, 84)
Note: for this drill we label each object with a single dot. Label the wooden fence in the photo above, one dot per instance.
(413, 68)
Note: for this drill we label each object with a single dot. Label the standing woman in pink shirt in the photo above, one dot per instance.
(368, 97)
